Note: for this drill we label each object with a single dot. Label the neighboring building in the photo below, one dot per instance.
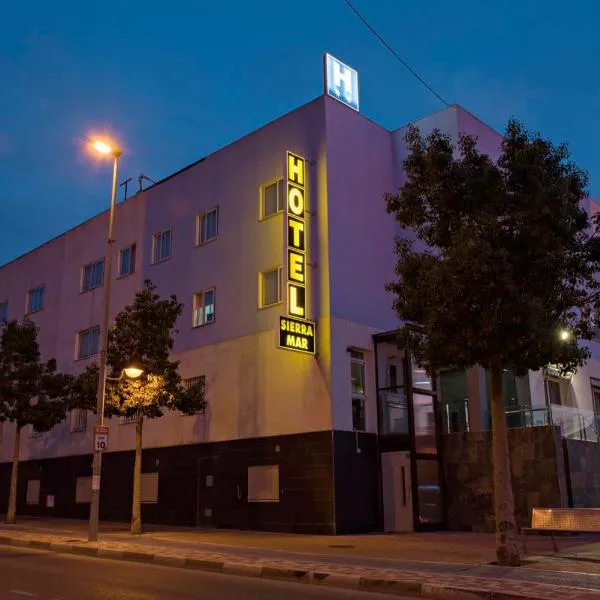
(343, 440)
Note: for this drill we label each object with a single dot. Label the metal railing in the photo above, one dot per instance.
(574, 423)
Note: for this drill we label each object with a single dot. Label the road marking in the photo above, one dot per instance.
(22, 593)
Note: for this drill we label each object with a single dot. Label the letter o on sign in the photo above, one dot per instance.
(296, 201)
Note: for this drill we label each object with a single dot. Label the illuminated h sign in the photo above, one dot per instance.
(341, 81)
(295, 332)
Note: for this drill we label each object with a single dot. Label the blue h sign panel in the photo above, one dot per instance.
(341, 82)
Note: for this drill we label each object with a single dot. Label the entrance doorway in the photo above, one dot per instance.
(397, 497)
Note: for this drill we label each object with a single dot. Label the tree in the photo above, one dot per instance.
(506, 261)
(142, 333)
(31, 391)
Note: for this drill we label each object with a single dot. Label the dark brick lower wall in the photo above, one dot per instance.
(538, 473)
(306, 481)
(583, 464)
(356, 482)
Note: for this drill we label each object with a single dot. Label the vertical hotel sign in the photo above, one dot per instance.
(295, 331)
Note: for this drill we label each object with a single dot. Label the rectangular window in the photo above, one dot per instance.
(271, 198)
(149, 488)
(357, 378)
(557, 391)
(33, 491)
(204, 308)
(596, 395)
(161, 246)
(4, 312)
(83, 490)
(89, 342)
(263, 483)
(128, 419)
(270, 287)
(207, 226)
(35, 300)
(196, 382)
(78, 420)
(93, 275)
(127, 261)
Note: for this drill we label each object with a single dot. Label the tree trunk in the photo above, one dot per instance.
(11, 515)
(507, 541)
(136, 509)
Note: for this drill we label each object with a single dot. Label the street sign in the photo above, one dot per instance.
(100, 438)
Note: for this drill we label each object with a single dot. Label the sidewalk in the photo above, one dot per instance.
(391, 564)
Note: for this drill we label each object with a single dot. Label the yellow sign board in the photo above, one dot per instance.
(295, 332)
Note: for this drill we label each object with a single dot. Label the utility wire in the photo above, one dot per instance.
(394, 53)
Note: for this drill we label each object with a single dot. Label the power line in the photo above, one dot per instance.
(394, 53)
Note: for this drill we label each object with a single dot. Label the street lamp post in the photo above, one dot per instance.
(103, 148)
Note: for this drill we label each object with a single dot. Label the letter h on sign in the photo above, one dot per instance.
(341, 81)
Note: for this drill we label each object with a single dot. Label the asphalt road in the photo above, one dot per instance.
(47, 576)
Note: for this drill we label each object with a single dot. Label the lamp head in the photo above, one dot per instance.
(133, 370)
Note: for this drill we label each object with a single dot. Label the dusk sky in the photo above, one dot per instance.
(174, 81)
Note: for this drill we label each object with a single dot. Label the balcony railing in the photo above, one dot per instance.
(574, 423)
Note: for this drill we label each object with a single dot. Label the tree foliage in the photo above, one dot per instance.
(31, 390)
(505, 258)
(142, 333)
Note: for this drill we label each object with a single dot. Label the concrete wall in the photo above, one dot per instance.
(538, 474)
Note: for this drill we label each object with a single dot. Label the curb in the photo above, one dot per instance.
(357, 582)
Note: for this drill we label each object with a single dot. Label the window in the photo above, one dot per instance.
(557, 391)
(149, 488)
(271, 198)
(196, 383)
(357, 378)
(89, 342)
(33, 491)
(270, 287)
(127, 261)
(35, 300)
(193, 382)
(4, 312)
(78, 420)
(207, 226)
(204, 308)
(93, 275)
(128, 419)
(83, 490)
(161, 249)
(263, 483)
(596, 395)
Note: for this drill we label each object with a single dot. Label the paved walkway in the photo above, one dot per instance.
(390, 573)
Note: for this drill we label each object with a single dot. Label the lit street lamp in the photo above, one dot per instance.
(131, 371)
(107, 149)
(564, 335)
